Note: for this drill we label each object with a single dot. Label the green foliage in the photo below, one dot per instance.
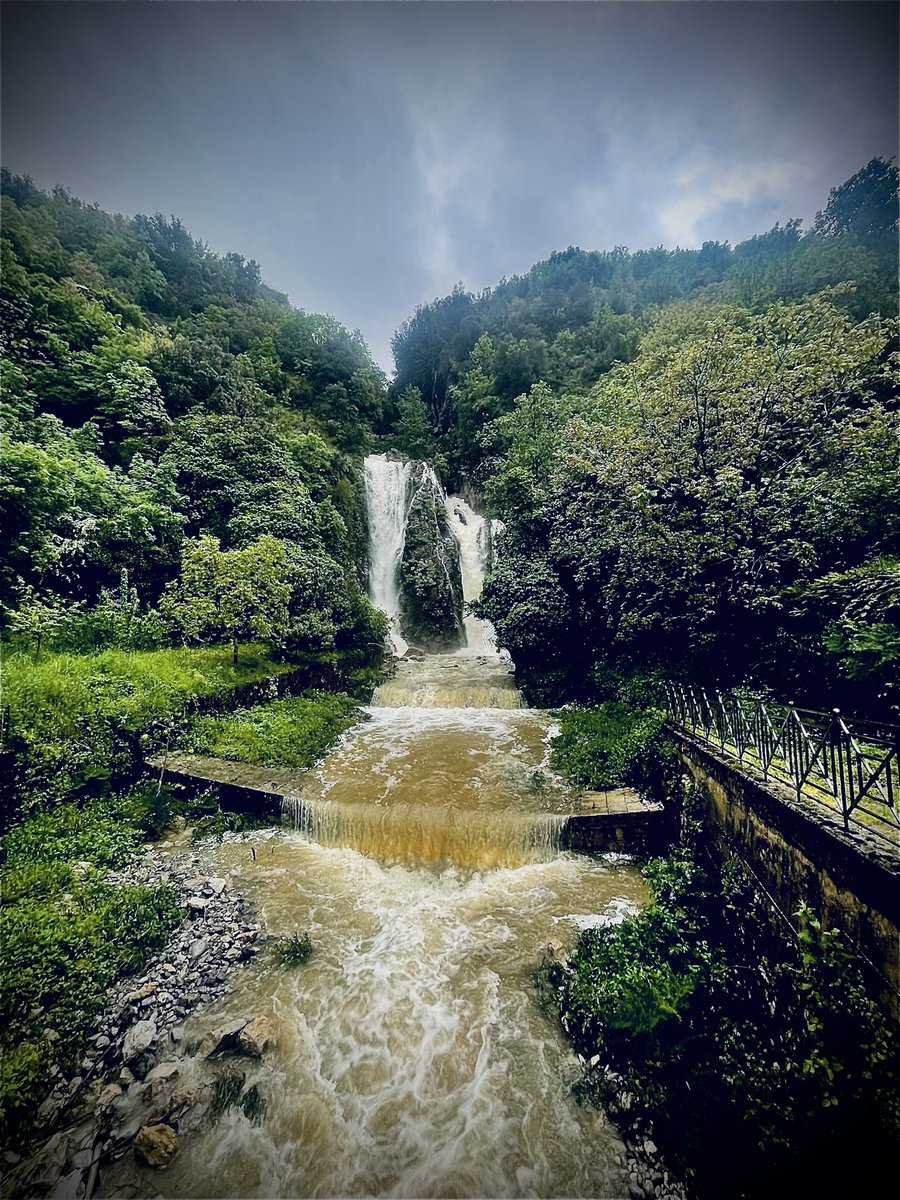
(291, 733)
(616, 745)
(67, 935)
(234, 594)
(82, 723)
(751, 1064)
(294, 950)
(697, 492)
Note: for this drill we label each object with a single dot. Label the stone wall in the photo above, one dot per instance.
(800, 852)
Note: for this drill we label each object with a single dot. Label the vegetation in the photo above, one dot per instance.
(68, 932)
(291, 733)
(723, 506)
(168, 417)
(617, 745)
(748, 1063)
(293, 951)
(82, 724)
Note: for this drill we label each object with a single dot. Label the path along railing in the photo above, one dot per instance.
(851, 766)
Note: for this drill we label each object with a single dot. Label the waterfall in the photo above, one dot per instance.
(392, 488)
(388, 497)
(474, 535)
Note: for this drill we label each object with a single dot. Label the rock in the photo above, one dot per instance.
(222, 1039)
(48, 1111)
(147, 990)
(166, 1070)
(256, 1037)
(40, 1174)
(197, 947)
(649, 1148)
(156, 1145)
(181, 1100)
(216, 885)
(101, 1042)
(67, 1188)
(143, 1065)
(126, 1077)
(138, 1039)
(556, 952)
(195, 882)
(199, 904)
(111, 1092)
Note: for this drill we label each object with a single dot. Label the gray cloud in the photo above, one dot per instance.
(371, 155)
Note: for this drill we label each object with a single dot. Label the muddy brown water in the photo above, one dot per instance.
(412, 1058)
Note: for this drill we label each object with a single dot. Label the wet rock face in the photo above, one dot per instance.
(430, 581)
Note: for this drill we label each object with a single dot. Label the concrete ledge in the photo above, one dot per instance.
(624, 825)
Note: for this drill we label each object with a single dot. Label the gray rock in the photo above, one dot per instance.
(68, 1185)
(138, 1039)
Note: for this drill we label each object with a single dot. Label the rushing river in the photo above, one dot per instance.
(412, 1058)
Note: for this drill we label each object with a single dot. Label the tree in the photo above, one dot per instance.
(232, 594)
(865, 206)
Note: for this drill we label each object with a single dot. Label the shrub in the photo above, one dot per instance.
(615, 745)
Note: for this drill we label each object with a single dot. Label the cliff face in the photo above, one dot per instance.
(430, 582)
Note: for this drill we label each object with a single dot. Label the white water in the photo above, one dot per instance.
(388, 497)
(473, 535)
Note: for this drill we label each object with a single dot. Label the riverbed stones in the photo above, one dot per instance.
(126, 1080)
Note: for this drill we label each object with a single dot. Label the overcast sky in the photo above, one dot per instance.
(371, 155)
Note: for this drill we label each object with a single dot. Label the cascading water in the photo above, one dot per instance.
(388, 497)
(474, 535)
(410, 1056)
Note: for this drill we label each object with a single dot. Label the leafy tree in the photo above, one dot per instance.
(236, 595)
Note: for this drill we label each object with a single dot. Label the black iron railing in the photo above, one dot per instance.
(852, 766)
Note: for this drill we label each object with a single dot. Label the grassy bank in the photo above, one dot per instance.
(81, 723)
(68, 933)
(294, 732)
(80, 727)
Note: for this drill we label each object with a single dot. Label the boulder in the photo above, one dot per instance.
(138, 1039)
(156, 1145)
(222, 1039)
(256, 1037)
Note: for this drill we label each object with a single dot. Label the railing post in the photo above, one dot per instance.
(837, 753)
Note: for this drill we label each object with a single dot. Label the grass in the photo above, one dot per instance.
(292, 733)
(81, 723)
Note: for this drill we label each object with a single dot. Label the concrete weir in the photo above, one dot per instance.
(617, 820)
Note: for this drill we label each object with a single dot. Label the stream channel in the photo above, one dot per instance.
(411, 1057)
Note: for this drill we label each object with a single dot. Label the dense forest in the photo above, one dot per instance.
(694, 451)
(179, 443)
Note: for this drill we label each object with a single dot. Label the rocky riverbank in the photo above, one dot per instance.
(129, 1093)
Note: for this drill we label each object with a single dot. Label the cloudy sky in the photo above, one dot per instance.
(371, 155)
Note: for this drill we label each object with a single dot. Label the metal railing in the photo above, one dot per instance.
(852, 766)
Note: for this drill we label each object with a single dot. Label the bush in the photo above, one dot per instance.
(757, 1071)
(615, 745)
